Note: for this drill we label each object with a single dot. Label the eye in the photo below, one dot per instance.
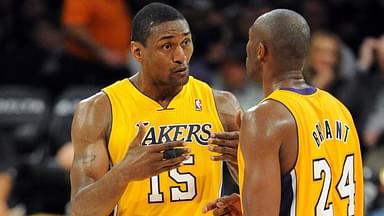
(187, 42)
(166, 46)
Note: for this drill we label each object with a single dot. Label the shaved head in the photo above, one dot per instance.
(286, 36)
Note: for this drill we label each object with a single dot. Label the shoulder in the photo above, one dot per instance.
(226, 101)
(228, 109)
(270, 116)
(92, 114)
(96, 103)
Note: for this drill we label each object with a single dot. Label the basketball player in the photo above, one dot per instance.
(122, 135)
(299, 149)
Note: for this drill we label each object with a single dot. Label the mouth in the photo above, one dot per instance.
(180, 70)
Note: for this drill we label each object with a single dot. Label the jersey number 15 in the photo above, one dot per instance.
(177, 194)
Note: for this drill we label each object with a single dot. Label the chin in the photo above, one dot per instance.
(180, 80)
(184, 80)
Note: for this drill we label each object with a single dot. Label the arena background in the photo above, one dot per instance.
(42, 79)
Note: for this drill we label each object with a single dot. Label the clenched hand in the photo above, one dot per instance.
(143, 161)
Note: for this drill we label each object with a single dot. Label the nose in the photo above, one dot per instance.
(179, 55)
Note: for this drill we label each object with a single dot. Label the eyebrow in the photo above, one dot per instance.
(165, 37)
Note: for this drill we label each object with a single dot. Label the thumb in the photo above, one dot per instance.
(140, 134)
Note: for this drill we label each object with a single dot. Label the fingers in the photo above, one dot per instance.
(210, 206)
(223, 150)
(222, 212)
(173, 161)
(227, 153)
(227, 205)
(164, 169)
(233, 135)
(231, 199)
(166, 146)
(139, 136)
(172, 153)
(224, 142)
(228, 158)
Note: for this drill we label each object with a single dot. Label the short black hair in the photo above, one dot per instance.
(149, 16)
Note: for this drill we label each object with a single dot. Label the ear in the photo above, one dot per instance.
(137, 51)
(262, 52)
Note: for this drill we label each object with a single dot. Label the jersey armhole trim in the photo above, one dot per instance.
(110, 127)
(297, 136)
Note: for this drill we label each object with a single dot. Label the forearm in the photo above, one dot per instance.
(5, 186)
(100, 197)
(82, 38)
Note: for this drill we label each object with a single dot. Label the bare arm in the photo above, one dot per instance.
(5, 188)
(90, 187)
(265, 131)
(80, 36)
(230, 112)
(91, 181)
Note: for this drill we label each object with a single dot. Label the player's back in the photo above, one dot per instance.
(327, 178)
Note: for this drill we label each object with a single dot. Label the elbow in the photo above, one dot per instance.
(77, 209)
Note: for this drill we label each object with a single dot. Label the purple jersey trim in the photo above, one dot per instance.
(307, 91)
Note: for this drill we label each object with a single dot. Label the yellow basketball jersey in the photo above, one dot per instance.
(327, 178)
(190, 116)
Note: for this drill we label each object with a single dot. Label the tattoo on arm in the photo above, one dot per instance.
(88, 158)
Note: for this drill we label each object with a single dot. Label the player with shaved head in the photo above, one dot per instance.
(299, 149)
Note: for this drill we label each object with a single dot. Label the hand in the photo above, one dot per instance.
(143, 161)
(112, 59)
(371, 137)
(366, 53)
(226, 144)
(227, 205)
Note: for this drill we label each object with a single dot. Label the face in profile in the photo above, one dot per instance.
(324, 52)
(167, 53)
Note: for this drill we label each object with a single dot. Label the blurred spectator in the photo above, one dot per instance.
(97, 41)
(362, 95)
(374, 182)
(374, 128)
(323, 64)
(233, 78)
(23, 114)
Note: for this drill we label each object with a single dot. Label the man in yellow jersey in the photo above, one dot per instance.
(122, 135)
(299, 149)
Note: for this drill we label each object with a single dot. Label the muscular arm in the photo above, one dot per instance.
(229, 111)
(265, 132)
(95, 190)
(91, 192)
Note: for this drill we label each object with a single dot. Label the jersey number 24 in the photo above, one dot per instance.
(345, 186)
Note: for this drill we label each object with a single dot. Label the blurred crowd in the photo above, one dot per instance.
(55, 52)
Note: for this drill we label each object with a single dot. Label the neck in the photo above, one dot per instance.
(159, 92)
(288, 79)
